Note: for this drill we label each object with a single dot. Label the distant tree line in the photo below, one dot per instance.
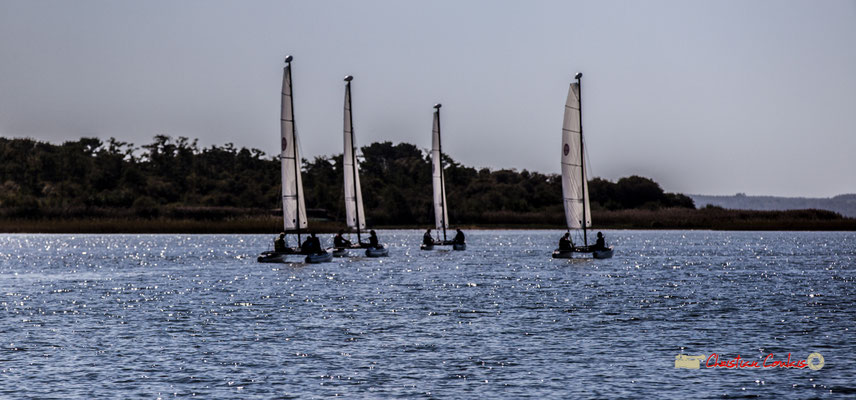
(177, 178)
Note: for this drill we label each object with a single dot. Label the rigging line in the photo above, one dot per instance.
(587, 160)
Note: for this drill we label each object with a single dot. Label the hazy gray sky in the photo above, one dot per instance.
(711, 97)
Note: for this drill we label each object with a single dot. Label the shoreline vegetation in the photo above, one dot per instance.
(173, 186)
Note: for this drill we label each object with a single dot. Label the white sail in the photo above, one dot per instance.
(576, 198)
(441, 216)
(353, 193)
(293, 208)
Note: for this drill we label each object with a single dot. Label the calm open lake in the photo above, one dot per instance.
(147, 316)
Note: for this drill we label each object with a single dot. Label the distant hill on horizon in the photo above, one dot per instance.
(844, 204)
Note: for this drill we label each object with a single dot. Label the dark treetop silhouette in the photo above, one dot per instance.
(176, 178)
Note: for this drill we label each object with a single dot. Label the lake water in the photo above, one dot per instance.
(147, 316)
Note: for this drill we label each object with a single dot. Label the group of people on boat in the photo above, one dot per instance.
(312, 244)
(340, 242)
(428, 240)
(565, 242)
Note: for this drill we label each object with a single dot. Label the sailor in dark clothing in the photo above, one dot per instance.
(373, 241)
(459, 237)
(316, 244)
(565, 242)
(427, 239)
(312, 245)
(601, 242)
(340, 242)
(305, 247)
(279, 243)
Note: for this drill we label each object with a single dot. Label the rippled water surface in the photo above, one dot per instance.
(125, 316)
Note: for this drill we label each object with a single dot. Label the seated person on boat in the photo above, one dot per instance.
(601, 242)
(427, 239)
(340, 242)
(373, 241)
(565, 242)
(312, 245)
(279, 243)
(459, 238)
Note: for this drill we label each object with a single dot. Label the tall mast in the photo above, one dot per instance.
(579, 77)
(442, 175)
(294, 146)
(353, 155)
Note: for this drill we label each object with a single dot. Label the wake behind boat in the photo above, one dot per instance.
(575, 183)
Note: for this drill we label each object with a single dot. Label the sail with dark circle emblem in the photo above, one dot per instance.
(574, 184)
(293, 207)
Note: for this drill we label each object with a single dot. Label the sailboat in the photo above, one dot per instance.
(441, 216)
(293, 207)
(354, 214)
(574, 180)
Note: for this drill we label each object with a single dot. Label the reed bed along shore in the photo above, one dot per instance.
(672, 218)
(716, 218)
(252, 224)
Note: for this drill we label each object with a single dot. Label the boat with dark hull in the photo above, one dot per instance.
(277, 256)
(315, 258)
(293, 207)
(355, 216)
(598, 253)
(441, 215)
(574, 181)
(379, 251)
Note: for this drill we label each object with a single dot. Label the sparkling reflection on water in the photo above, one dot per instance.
(148, 316)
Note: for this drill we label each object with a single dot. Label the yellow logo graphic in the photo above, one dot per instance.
(692, 362)
(815, 361)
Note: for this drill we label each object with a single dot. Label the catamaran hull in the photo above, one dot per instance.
(271, 257)
(602, 254)
(563, 254)
(340, 252)
(598, 254)
(276, 256)
(343, 251)
(382, 251)
(322, 257)
(455, 246)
